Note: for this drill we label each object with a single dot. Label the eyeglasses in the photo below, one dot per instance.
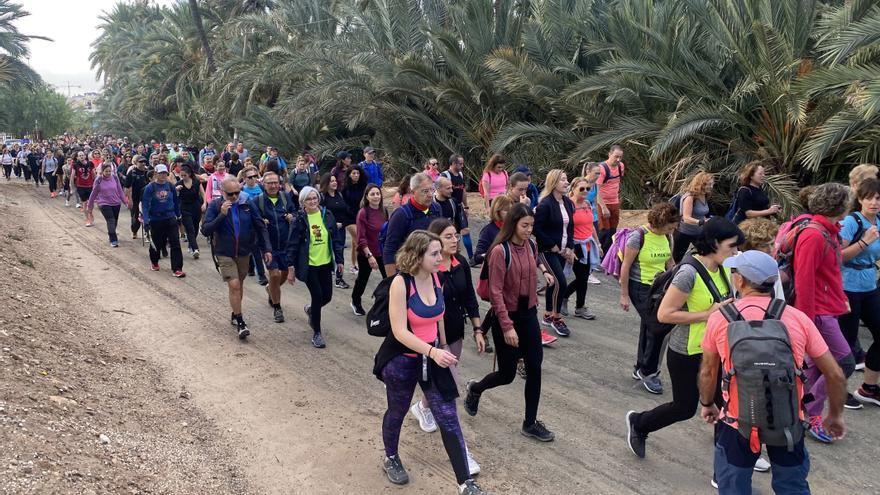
(251, 177)
(452, 237)
(433, 164)
(582, 189)
(426, 191)
(272, 183)
(232, 194)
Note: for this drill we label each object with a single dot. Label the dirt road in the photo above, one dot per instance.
(293, 419)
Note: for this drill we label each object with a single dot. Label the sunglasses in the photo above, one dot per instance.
(231, 194)
(251, 177)
(582, 189)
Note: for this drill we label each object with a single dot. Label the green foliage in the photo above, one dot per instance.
(26, 110)
(14, 72)
(683, 85)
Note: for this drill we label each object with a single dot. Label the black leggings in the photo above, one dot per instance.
(864, 306)
(135, 213)
(111, 216)
(650, 344)
(191, 216)
(35, 173)
(364, 270)
(320, 285)
(680, 244)
(51, 180)
(554, 294)
(579, 284)
(525, 322)
(7, 171)
(164, 233)
(684, 371)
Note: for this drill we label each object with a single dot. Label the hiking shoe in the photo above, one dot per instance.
(396, 472)
(154, 267)
(635, 441)
(263, 281)
(470, 487)
(195, 254)
(817, 430)
(593, 280)
(584, 313)
(473, 466)
(546, 338)
(278, 315)
(340, 284)
(318, 341)
(472, 399)
(564, 309)
(425, 417)
(178, 274)
(243, 330)
(559, 326)
(521, 369)
(357, 309)
(652, 383)
(868, 396)
(538, 431)
(762, 465)
(852, 403)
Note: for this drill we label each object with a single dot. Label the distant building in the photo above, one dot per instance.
(86, 101)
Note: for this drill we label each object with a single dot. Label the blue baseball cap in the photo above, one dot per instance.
(756, 266)
(342, 155)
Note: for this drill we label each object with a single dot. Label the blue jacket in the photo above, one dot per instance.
(236, 233)
(373, 171)
(301, 237)
(159, 202)
(404, 221)
(278, 227)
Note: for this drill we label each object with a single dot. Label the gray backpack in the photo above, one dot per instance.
(763, 368)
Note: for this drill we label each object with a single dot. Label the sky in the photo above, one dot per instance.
(72, 25)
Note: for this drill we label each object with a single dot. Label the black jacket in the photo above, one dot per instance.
(548, 224)
(460, 298)
(337, 205)
(301, 236)
(487, 237)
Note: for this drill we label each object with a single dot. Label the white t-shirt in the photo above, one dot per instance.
(565, 221)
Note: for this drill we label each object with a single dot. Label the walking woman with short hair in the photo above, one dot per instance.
(416, 352)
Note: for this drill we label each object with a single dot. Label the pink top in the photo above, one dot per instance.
(213, 188)
(397, 200)
(497, 183)
(423, 319)
(609, 187)
(583, 221)
(432, 173)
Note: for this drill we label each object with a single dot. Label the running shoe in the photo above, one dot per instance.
(564, 309)
(817, 430)
(868, 395)
(340, 283)
(79, 205)
(278, 314)
(114, 244)
(473, 466)
(521, 369)
(318, 341)
(762, 465)
(357, 309)
(88, 223)
(233, 321)
(154, 267)
(635, 374)
(471, 400)
(584, 313)
(353, 270)
(243, 330)
(559, 326)
(593, 280)
(546, 338)
(425, 417)
(179, 274)
(538, 431)
(195, 254)
(714, 482)
(263, 281)
(852, 403)
(546, 320)
(396, 472)
(634, 440)
(470, 487)
(860, 365)
(652, 383)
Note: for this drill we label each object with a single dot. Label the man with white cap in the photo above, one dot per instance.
(160, 210)
(754, 320)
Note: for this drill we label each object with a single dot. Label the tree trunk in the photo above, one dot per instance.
(200, 27)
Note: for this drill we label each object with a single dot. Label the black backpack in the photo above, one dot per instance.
(378, 322)
(664, 280)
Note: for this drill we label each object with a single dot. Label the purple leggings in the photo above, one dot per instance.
(400, 376)
(839, 348)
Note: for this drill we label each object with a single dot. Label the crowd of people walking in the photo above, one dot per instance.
(706, 287)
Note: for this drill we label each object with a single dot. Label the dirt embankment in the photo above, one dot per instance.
(76, 414)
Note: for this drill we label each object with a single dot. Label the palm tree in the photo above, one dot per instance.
(203, 37)
(13, 48)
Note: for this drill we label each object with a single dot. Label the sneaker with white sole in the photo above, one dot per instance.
(634, 440)
(395, 471)
(652, 383)
(868, 394)
(762, 465)
(425, 417)
(585, 313)
(357, 309)
(564, 309)
(546, 338)
(852, 403)
(593, 280)
(473, 466)
(470, 487)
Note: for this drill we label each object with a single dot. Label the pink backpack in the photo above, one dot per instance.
(614, 257)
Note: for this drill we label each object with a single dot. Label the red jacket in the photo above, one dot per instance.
(817, 280)
(507, 284)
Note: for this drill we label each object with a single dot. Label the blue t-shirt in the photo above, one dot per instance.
(591, 197)
(860, 273)
(252, 192)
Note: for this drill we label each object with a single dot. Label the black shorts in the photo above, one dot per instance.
(84, 193)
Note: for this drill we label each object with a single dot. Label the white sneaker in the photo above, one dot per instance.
(473, 467)
(66, 202)
(78, 204)
(762, 466)
(593, 280)
(353, 270)
(425, 417)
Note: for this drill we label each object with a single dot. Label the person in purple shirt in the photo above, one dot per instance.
(107, 192)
